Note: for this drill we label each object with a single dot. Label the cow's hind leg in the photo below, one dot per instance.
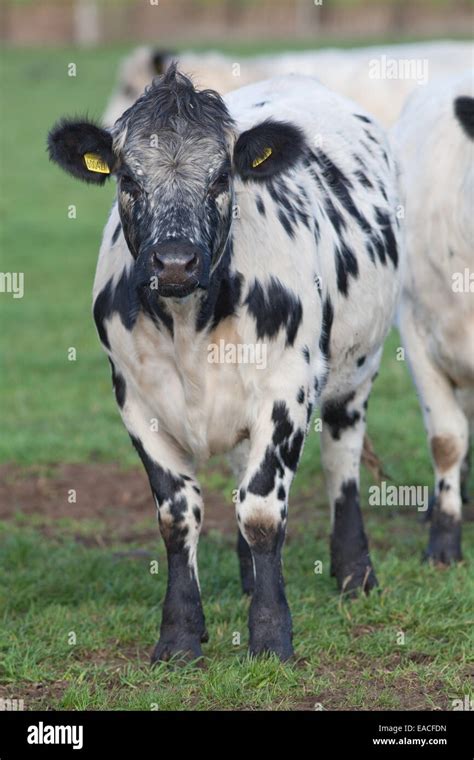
(342, 440)
(238, 460)
(465, 473)
(244, 554)
(465, 398)
(448, 434)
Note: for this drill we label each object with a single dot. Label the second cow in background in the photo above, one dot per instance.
(378, 78)
(435, 142)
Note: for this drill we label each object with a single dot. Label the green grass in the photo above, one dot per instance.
(350, 653)
(54, 582)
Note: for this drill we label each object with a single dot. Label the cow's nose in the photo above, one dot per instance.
(178, 264)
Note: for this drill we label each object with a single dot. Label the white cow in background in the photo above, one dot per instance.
(378, 78)
(434, 139)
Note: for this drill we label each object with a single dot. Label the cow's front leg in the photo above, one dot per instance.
(341, 449)
(180, 510)
(275, 447)
(183, 626)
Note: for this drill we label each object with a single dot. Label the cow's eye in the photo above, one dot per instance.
(129, 186)
(220, 183)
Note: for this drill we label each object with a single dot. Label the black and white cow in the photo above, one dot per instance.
(264, 220)
(435, 141)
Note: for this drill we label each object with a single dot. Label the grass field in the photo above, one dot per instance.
(79, 606)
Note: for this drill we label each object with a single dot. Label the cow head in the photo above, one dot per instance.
(175, 156)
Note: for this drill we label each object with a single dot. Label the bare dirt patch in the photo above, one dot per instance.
(120, 498)
(408, 691)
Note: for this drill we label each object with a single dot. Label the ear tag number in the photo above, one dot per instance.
(95, 163)
(267, 152)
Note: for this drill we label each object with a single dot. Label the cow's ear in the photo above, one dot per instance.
(268, 149)
(160, 60)
(82, 149)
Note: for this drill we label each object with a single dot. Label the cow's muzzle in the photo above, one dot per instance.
(178, 265)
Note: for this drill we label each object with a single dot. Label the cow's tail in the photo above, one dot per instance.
(372, 461)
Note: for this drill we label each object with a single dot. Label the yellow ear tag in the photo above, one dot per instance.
(95, 164)
(267, 152)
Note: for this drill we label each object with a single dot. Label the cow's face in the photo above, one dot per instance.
(175, 190)
(175, 158)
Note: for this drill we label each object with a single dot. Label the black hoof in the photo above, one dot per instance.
(183, 648)
(272, 644)
(355, 576)
(271, 633)
(444, 545)
(351, 565)
(284, 651)
(353, 573)
(350, 559)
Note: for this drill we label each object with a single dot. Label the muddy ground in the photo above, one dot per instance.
(120, 498)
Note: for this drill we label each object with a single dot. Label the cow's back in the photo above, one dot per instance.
(350, 178)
